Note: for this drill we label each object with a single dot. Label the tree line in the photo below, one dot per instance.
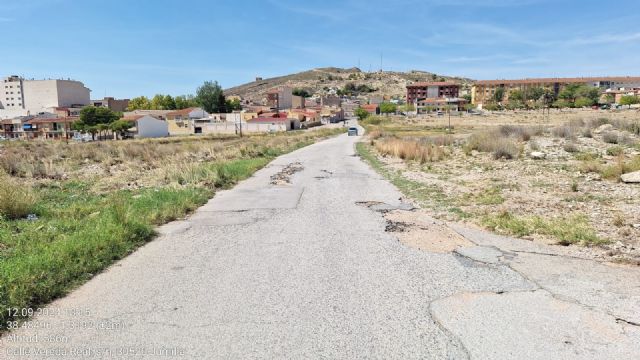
(571, 96)
(209, 96)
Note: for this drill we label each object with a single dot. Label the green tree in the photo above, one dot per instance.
(121, 126)
(388, 108)
(534, 93)
(498, 95)
(185, 101)
(361, 113)
(629, 100)
(233, 105)
(516, 95)
(467, 97)
(168, 103)
(211, 97)
(302, 92)
(584, 102)
(91, 117)
(139, 103)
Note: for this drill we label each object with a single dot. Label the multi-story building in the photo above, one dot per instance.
(20, 97)
(484, 91)
(118, 105)
(432, 90)
(280, 98)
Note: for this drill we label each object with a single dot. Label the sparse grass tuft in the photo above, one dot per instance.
(572, 230)
(494, 143)
(571, 147)
(611, 137)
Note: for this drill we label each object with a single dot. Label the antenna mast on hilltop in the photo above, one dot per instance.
(380, 61)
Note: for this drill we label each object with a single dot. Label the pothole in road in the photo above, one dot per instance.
(382, 207)
(284, 176)
(419, 231)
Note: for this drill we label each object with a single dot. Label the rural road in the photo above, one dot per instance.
(304, 270)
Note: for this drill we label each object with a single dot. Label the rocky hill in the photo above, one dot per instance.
(326, 80)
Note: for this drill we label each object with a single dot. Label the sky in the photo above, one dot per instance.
(143, 47)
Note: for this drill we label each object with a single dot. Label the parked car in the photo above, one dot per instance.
(82, 137)
(353, 131)
(2, 138)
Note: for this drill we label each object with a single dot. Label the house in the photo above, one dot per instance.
(117, 105)
(280, 98)
(297, 102)
(146, 126)
(187, 121)
(48, 128)
(158, 114)
(305, 115)
(372, 109)
(331, 115)
(272, 124)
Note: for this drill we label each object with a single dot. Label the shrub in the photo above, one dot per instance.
(563, 132)
(586, 132)
(610, 138)
(521, 132)
(615, 151)
(570, 147)
(16, 201)
(505, 149)
(410, 150)
(493, 142)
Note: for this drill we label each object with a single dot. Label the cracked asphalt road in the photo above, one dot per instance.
(301, 269)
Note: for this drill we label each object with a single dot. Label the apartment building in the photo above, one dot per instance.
(432, 90)
(21, 97)
(484, 91)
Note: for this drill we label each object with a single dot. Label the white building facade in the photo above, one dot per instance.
(20, 97)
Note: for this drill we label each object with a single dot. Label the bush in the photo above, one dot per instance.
(521, 132)
(410, 150)
(615, 151)
(570, 147)
(505, 149)
(610, 138)
(16, 201)
(493, 142)
(563, 132)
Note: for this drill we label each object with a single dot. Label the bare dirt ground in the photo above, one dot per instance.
(562, 185)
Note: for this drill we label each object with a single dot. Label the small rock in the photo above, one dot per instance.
(32, 217)
(602, 128)
(631, 178)
(636, 226)
(538, 155)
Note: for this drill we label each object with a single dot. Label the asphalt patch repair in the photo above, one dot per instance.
(418, 230)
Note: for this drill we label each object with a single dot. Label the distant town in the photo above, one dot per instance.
(53, 108)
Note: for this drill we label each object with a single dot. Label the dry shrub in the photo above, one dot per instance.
(564, 131)
(521, 132)
(493, 142)
(571, 147)
(611, 137)
(410, 150)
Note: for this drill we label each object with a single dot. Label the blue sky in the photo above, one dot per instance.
(143, 47)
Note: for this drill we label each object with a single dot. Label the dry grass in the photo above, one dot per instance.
(495, 143)
(420, 151)
(16, 201)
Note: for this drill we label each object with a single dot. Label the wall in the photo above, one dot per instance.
(149, 127)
